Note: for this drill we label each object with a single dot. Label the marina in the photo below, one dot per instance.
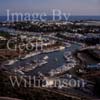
(50, 61)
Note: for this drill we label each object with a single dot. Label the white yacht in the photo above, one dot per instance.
(46, 57)
(61, 47)
(20, 72)
(11, 62)
(42, 63)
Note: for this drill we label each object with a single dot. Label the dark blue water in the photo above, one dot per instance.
(48, 18)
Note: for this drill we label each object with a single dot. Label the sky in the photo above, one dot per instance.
(74, 7)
